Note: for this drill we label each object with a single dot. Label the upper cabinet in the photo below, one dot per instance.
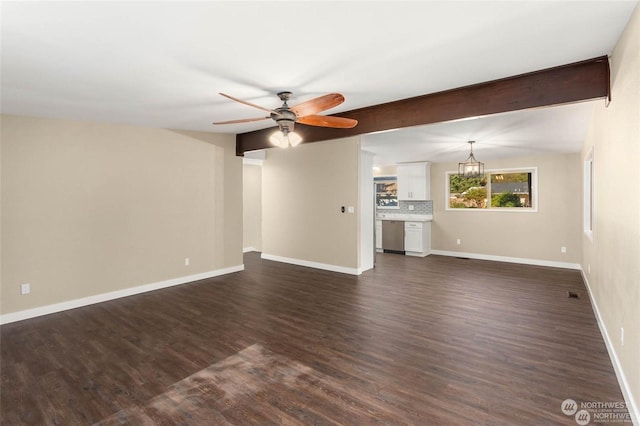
(413, 181)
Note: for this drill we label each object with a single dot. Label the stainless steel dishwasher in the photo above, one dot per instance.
(393, 236)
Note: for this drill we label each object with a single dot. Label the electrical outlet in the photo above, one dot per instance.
(25, 288)
(588, 268)
(458, 241)
(186, 261)
(621, 336)
(563, 249)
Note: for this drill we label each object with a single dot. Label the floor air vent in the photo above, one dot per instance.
(572, 295)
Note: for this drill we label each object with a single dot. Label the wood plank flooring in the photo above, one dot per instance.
(419, 341)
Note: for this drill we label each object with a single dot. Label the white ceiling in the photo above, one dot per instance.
(162, 64)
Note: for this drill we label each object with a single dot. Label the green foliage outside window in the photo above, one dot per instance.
(467, 193)
(499, 190)
(506, 199)
(459, 184)
(477, 196)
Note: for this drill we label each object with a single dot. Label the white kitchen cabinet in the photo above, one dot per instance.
(378, 235)
(413, 181)
(412, 239)
(417, 238)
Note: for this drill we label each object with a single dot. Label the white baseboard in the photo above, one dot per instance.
(77, 303)
(248, 249)
(300, 262)
(417, 254)
(525, 261)
(622, 379)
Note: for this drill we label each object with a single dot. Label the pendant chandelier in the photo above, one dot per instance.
(471, 168)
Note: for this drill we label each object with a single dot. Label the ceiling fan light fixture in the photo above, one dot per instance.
(285, 137)
(294, 139)
(279, 139)
(471, 168)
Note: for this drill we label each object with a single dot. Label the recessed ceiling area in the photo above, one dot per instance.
(559, 129)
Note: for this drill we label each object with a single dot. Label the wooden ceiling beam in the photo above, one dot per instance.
(580, 81)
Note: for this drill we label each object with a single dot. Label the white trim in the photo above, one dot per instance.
(634, 411)
(254, 157)
(359, 271)
(248, 249)
(417, 253)
(588, 191)
(77, 303)
(301, 262)
(252, 161)
(525, 261)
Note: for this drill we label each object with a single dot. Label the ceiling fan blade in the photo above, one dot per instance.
(328, 121)
(242, 120)
(248, 103)
(317, 105)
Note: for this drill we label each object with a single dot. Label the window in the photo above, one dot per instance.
(506, 189)
(588, 195)
(386, 192)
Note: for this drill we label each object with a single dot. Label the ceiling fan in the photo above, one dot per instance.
(305, 113)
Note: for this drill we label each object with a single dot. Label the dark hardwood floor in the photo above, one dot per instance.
(420, 341)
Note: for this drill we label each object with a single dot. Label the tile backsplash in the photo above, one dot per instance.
(419, 207)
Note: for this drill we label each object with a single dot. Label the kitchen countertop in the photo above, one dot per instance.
(405, 217)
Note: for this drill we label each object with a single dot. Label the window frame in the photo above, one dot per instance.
(534, 191)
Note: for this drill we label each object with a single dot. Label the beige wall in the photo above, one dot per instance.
(613, 256)
(252, 206)
(530, 235)
(303, 190)
(91, 208)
